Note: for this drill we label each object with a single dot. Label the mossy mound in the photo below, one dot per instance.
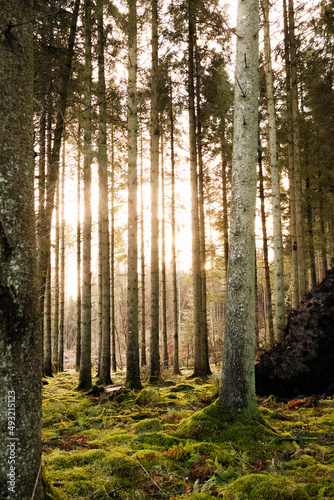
(264, 487)
(218, 423)
(182, 388)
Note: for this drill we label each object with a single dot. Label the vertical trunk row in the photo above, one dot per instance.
(85, 376)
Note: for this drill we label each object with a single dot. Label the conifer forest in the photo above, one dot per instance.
(166, 249)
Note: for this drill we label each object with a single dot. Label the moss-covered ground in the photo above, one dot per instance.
(176, 440)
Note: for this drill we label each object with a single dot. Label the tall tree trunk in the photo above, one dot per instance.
(163, 265)
(55, 337)
(47, 325)
(176, 366)
(294, 258)
(20, 338)
(104, 374)
(275, 183)
(296, 156)
(132, 357)
(142, 262)
(323, 242)
(200, 367)
(78, 340)
(269, 311)
(62, 269)
(85, 375)
(112, 255)
(204, 319)
(238, 378)
(154, 340)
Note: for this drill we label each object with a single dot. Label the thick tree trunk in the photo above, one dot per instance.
(104, 373)
(85, 376)
(275, 182)
(154, 340)
(20, 338)
(132, 360)
(238, 380)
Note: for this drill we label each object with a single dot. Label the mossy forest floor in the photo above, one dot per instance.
(177, 441)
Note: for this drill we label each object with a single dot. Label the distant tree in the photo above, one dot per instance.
(20, 338)
(238, 378)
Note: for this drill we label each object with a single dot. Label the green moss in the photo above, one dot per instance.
(182, 388)
(265, 487)
(157, 439)
(148, 425)
(49, 491)
(64, 460)
(123, 466)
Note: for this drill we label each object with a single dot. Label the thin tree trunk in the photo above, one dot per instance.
(142, 262)
(154, 339)
(238, 376)
(294, 259)
(200, 367)
(163, 265)
(323, 242)
(204, 319)
(296, 156)
(309, 214)
(176, 366)
(112, 255)
(47, 325)
(269, 312)
(132, 361)
(85, 375)
(55, 338)
(78, 340)
(104, 373)
(275, 183)
(225, 216)
(62, 270)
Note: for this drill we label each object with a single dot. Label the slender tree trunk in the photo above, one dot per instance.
(154, 340)
(204, 319)
(323, 242)
(238, 377)
(112, 255)
(163, 265)
(104, 373)
(269, 312)
(296, 156)
(62, 270)
(142, 262)
(55, 338)
(294, 259)
(47, 324)
(309, 214)
(176, 366)
(132, 367)
(225, 216)
(200, 367)
(85, 375)
(78, 343)
(275, 183)
(20, 338)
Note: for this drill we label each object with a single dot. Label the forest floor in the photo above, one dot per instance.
(175, 441)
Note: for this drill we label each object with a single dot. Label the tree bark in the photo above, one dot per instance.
(238, 380)
(163, 266)
(20, 336)
(154, 339)
(104, 373)
(62, 269)
(85, 375)
(142, 262)
(132, 367)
